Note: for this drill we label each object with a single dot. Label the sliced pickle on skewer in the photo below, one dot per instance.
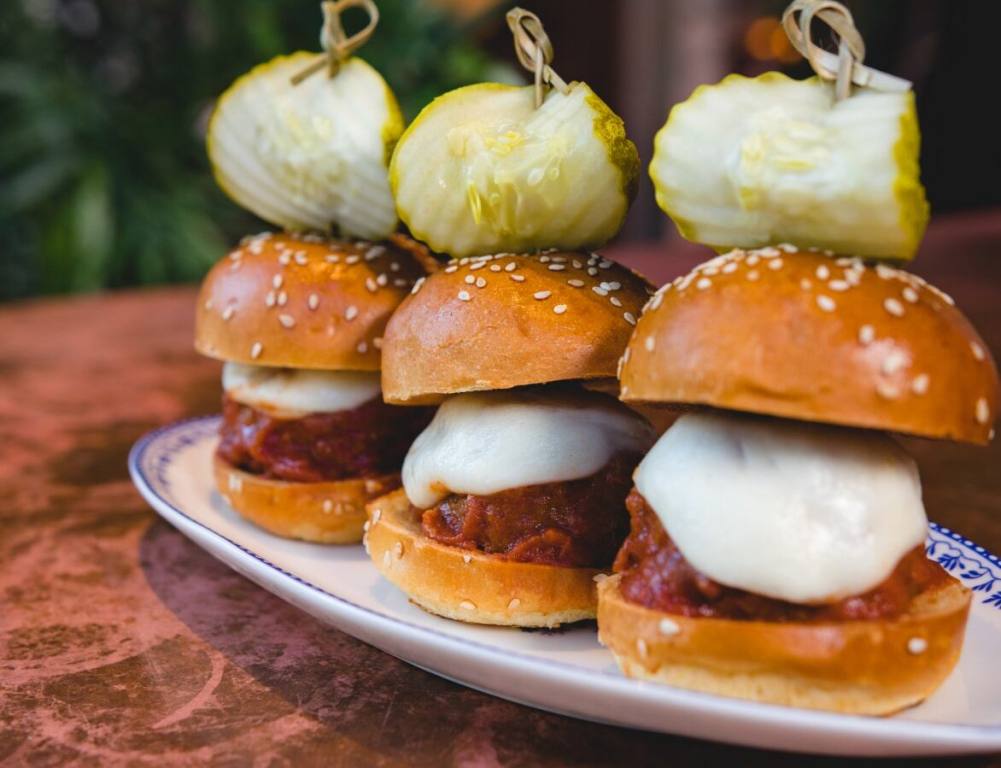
(482, 170)
(312, 156)
(749, 162)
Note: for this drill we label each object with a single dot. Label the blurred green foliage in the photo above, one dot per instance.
(103, 176)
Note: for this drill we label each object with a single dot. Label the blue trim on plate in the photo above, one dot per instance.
(184, 433)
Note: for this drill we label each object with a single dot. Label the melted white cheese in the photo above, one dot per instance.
(295, 391)
(794, 511)
(486, 442)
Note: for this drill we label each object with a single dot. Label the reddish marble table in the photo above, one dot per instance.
(122, 642)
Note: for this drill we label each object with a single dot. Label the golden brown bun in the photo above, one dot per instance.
(304, 301)
(328, 512)
(809, 337)
(482, 323)
(472, 586)
(857, 667)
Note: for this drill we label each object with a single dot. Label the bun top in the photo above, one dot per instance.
(804, 336)
(506, 320)
(305, 301)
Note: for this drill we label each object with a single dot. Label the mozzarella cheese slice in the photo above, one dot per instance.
(294, 392)
(486, 442)
(800, 512)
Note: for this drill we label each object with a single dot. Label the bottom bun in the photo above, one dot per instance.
(468, 585)
(874, 667)
(329, 512)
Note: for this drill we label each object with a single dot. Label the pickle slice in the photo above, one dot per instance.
(750, 162)
(481, 170)
(312, 156)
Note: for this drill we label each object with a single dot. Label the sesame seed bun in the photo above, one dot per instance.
(873, 667)
(805, 336)
(331, 512)
(471, 586)
(305, 301)
(501, 321)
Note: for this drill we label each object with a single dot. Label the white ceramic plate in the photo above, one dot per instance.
(568, 672)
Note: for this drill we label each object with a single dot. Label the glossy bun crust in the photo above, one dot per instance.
(471, 586)
(305, 301)
(805, 336)
(502, 321)
(873, 667)
(330, 512)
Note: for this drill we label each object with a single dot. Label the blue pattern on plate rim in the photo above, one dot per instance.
(972, 564)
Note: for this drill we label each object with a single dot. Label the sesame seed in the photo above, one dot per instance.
(752, 260)
(464, 296)
(769, 252)
(559, 309)
(328, 506)
(398, 550)
(374, 252)
(235, 255)
(641, 647)
(885, 272)
(313, 301)
(284, 258)
(983, 411)
(577, 264)
(469, 279)
(910, 294)
(557, 267)
(362, 347)
(354, 258)
(515, 602)
(333, 258)
(394, 266)
(629, 317)
(277, 281)
(269, 300)
(495, 267)
(731, 267)
(544, 259)
(592, 271)
(300, 258)
(287, 320)
(711, 271)
(866, 335)
(463, 261)
(894, 307)
(649, 343)
(604, 264)
(282, 298)
(400, 282)
(382, 279)
(351, 312)
(893, 362)
(481, 283)
(887, 391)
(371, 285)
(517, 278)
(775, 264)
(917, 645)
(823, 272)
(615, 301)
(477, 265)
(920, 384)
(668, 627)
(542, 294)
(978, 351)
(838, 285)
(576, 283)
(703, 283)
(467, 606)
(753, 274)
(511, 266)
(450, 269)
(417, 284)
(228, 313)
(467, 558)
(826, 303)
(256, 349)
(599, 290)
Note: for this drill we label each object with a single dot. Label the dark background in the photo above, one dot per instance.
(103, 177)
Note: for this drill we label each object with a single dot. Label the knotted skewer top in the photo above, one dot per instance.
(534, 51)
(334, 40)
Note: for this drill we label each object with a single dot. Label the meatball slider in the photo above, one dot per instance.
(776, 549)
(305, 439)
(513, 498)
